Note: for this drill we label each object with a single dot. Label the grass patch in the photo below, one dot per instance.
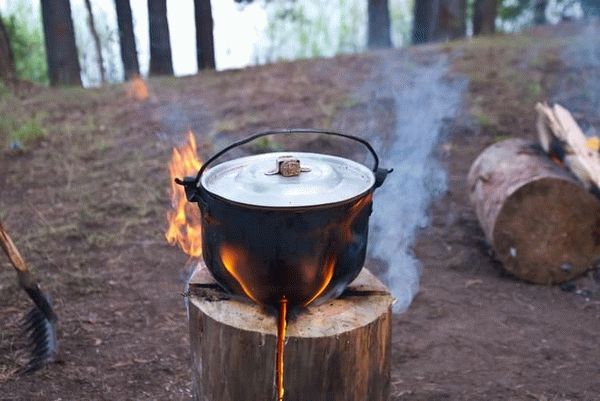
(507, 74)
(26, 134)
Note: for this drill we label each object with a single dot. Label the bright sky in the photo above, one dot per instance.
(234, 47)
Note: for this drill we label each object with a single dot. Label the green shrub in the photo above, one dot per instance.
(27, 43)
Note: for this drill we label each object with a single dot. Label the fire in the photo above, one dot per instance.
(593, 143)
(137, 89)
(328, 270)
(184, 217)
(230, 257)
(281, 329)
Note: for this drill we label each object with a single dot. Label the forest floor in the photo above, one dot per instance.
(86, 204)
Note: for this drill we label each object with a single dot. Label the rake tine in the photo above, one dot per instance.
(28, 317)
(41, 341)
(33, 321)
(39, 324)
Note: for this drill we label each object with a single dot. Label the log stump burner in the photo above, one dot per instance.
(338, 351)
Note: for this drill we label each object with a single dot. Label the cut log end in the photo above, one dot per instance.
(548, 231)
(339, 350)
(542, 223)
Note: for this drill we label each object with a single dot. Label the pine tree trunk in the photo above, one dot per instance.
(451, 20)
(205, 48)
(379, 24)
(129, 57)
(425, 15)
(96, 38)
(539, 12)
(160, 44)
(484, 17)
(7, 61)
(59, 37)
(439, 20)
(590, 7)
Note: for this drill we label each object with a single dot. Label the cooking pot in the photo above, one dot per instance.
(290, 225)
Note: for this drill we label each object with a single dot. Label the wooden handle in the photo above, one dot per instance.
(11, 250)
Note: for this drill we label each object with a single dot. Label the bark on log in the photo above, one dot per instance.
(541, 221)
(338, 351)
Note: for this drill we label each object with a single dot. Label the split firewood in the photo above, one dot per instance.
(542, 223)
(562, 139)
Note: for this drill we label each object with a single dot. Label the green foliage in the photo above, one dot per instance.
(27, 43)
(27, 133)
(313, 28)
(512, 9)
(19, 127)
(3, 90)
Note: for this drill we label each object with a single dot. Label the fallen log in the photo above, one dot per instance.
(338, 351)
(541, 221)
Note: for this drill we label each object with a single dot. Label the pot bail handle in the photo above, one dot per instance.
(380, 173)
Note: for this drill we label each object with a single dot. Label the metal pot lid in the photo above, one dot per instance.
(288, 179)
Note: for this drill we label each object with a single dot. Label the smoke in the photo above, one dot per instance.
(422, 98)
(577, 87)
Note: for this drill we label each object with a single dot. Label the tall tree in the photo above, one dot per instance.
(439, 20)
(425, 15)
(7, 61)
(127, 39)
(205, 47)
(96, 38)
(59, 37)
(539, 11)
(484, 17)
(451, 21)
(379, 24)
(160, 44)
(590, 7)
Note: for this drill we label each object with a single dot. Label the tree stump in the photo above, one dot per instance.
(542, 223)
(338, 351)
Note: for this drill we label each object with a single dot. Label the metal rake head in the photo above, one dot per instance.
(40, 329)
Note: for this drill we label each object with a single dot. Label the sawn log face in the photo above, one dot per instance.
(542, 223)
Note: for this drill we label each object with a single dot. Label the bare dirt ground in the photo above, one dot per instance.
(86, 205)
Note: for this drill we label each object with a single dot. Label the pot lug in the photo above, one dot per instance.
(380, 176)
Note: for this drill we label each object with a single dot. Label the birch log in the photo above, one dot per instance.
(542, 223)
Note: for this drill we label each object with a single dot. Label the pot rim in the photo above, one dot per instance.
(288, 208)
(248, 180)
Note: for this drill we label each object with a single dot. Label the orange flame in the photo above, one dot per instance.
(327, 276)
(184, 217)
(230, 257)
(137, 89)
(593, 143)
(281, 329)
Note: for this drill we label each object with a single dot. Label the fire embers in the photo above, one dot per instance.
(137, 89)
(184, 217)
